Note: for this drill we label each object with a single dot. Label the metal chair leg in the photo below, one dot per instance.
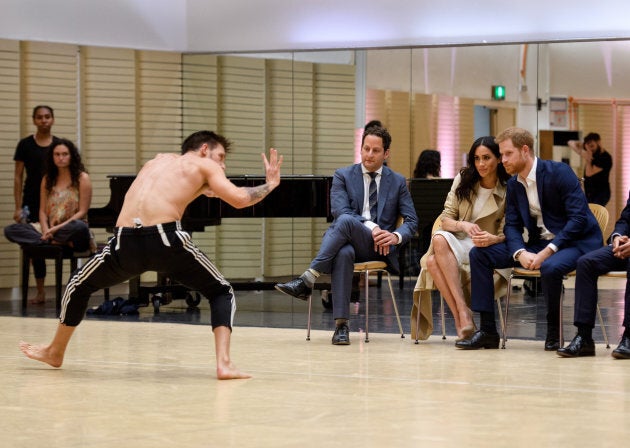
(418, 318)
(367, 305)
(560, 326)
(443, 317)
(391, 290)
(501, 321)
(601, 324)
(507, 308)
(308, 325)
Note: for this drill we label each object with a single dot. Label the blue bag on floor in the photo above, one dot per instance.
(115, 307)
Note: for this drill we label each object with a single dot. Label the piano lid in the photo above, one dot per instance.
(296, 196)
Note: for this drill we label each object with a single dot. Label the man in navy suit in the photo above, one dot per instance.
(613, 257)
(545, 199)
(366, 200)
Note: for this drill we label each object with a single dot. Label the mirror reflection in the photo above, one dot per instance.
(313, 105)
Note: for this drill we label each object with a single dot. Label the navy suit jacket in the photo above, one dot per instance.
(622, 226)
(564, 208)
(394, 200)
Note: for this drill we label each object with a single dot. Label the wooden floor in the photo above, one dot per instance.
(153, 384)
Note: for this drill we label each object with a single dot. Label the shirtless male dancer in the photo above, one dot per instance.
(149, 237)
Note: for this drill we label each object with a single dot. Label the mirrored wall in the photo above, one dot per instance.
(312, 107)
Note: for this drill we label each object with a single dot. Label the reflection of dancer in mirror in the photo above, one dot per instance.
(597, 165)
(149, 237)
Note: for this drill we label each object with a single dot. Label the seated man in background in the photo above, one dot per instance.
(613, 257)
(366, 200)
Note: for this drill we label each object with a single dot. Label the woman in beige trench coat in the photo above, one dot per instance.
(473, 215)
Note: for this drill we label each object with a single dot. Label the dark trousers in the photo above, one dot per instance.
(589, 268)
(75, 232)
(164, 248)
(346, 241)
(484, 260)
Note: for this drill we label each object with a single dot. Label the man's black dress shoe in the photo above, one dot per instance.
(623, 349)
(296, 288)
(341, 335)
(552, 343)
(479, 339)
(578, 347)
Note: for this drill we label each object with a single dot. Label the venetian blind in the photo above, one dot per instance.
(10, 133)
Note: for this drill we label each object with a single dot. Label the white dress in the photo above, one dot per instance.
(461, 247)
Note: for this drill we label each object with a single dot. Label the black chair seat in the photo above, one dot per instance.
(49, 252)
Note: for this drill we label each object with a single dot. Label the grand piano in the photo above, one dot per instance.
(295, 197)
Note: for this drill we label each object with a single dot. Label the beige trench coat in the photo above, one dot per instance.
(491, 219)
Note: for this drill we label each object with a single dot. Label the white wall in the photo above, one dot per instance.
(137, 24)
(269, 25)
(291, 24)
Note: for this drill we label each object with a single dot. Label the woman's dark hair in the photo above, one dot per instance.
(469, 174)
(429, 164)
(194, 141)
(76, 166)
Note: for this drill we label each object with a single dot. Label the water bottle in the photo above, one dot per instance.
(25, 214)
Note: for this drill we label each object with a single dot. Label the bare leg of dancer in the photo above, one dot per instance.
(225, 369)
(53, 353)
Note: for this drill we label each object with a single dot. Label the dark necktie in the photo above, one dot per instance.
(373, 197)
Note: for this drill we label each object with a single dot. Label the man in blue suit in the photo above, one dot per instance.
(366, 200)
(545, 199)
(613, 257)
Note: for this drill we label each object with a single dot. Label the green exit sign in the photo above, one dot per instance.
(498, 92)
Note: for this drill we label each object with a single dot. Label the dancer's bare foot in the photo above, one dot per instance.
(41, 353)
(230, 372)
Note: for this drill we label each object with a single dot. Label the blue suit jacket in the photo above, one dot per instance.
(564, 208)
(394, 200)
(622, 226)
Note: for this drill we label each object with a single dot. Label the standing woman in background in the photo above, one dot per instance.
(473, 215)
(30, 163)
(66, 193)
(597, 165)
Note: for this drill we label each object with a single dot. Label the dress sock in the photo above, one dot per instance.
(487, 323)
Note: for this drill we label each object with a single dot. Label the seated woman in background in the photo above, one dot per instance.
(473, 215)
(429, 164)
(66, 193)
